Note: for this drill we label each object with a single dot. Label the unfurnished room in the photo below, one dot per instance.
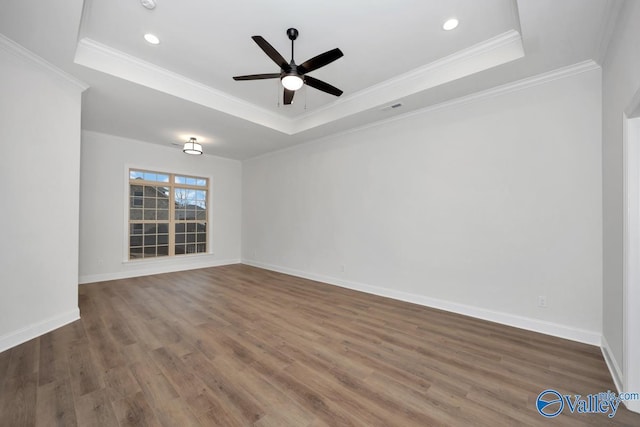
(320, 213)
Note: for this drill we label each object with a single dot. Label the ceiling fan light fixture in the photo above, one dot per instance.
(192, 147)
(291, 75)
(292, 82)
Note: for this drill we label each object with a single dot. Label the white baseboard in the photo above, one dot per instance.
(30, 332)
(548, 328)
(612, 364)
(147, 269)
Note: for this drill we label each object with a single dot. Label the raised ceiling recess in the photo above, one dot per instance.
(391, 50)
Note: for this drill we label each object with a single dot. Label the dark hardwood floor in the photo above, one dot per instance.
(238, 345)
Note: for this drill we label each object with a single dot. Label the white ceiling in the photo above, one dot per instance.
(394, 51)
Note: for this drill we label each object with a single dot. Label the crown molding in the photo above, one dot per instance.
(20, 51)
(100, 57)
(490, 53)
(539, 79)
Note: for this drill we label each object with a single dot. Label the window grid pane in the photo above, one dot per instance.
(191, 181)
(175, 211)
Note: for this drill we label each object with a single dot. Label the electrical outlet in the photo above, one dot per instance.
(542, 301)
(342, 268)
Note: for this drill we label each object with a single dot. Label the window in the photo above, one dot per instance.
(167, 214)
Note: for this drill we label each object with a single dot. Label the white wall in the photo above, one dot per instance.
(621, 81)
(39, 171)
(103, 193)
(479, 208)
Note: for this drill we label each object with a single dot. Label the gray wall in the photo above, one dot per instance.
(478, 208)
(104, 206)
(39, 171)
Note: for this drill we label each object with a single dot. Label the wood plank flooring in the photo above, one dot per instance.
(241, 346)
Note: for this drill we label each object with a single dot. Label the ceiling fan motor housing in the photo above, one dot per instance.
(292, 33)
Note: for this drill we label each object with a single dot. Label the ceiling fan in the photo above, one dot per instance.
(294, 76)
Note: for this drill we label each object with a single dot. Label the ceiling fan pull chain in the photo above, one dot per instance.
(278, 93)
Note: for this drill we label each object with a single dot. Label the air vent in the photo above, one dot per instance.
(392, 106)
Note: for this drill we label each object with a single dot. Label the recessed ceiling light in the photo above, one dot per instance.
(151, 38)
(149, 4)
(450, 24)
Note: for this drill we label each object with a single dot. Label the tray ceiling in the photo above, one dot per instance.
(394, 52)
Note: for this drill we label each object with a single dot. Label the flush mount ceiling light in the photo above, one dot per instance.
(450, 24)
(192, 147)
(150, 38)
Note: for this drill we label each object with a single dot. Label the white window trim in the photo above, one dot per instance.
(125, 217)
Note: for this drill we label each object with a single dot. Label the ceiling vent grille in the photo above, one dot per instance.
(392, 106)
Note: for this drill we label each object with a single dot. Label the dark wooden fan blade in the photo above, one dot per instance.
(320, 85)
(320, 61)
(271, 52)
(257, 76)
(288, 96)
